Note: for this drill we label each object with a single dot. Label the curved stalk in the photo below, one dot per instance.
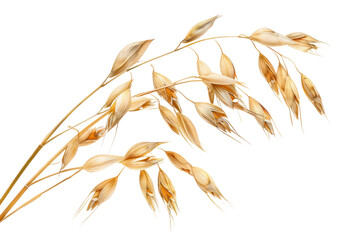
(103, 84)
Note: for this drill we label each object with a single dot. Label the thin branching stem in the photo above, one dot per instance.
(27, 185)
(103, 84)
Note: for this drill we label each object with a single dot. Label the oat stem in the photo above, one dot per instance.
(54, 174)
(27, 185)
(40, 194)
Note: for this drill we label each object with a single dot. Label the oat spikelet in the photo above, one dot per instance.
(140, 103)
(211, 93)
(206, 183)
(215, 78)
(268, 72)
(228, 95)
(118, 109)
(167, 192)
(312, 94)
(128, 56)
(168, 94)
(291, 96)
(91, 136)
(169, 118)
(188, 130)
(140, 163)
(100, 162)
(141, 149)
(281, 76)
(268, 37)
(147, 189)
(102, 192)
(70, 152)
(179, 161)
(199, 29)
(303, 42)
(261, 115)
(226, 66)
(116, 92)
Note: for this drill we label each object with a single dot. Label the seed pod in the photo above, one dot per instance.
(147, 189)
(303, 42)
(227, 94)
(118, 109)
(188, 130)
(141, 149)
(116, 92)
(168, 94)
(140, 103)
(199, 29)
(281, 76)
(140, 163)
(268, 72)
(100, 162)
(211, 93)
(167, 192)
(261, 115)
(70, 152)
(312, 94)
(213, 114)
(215, 78)
(169, 118)
(91, 136)
(226, 66)
(178, 161)
(206, 183)
(269, 37)
(102, 192)
(291, 96)
(128, 56)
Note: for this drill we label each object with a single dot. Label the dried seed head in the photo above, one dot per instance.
(102, 192)
(128, 56)
(91, 136)
(168, 94)
(140, 103)
(215, 78)
(141, 149)
(269, 37)
(140, 163)
(118, 109)
(167, 192)
(281, 75)
(147, 188)
(178, 161)
(116, 92)
(169, 118)
(211, 93)
(261, 115)
(70, 152)
(206, 183)
(188, 130)
(226, 66)
(214, 115)
(267, 70)
(227, 94)
(100, 162)
(291, 96)
(199, 29)
(312, 93)
(303, 42)
(203, 68)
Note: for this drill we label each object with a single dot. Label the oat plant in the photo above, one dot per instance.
(223, 86)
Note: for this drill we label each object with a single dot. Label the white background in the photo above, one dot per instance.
(298, 186)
